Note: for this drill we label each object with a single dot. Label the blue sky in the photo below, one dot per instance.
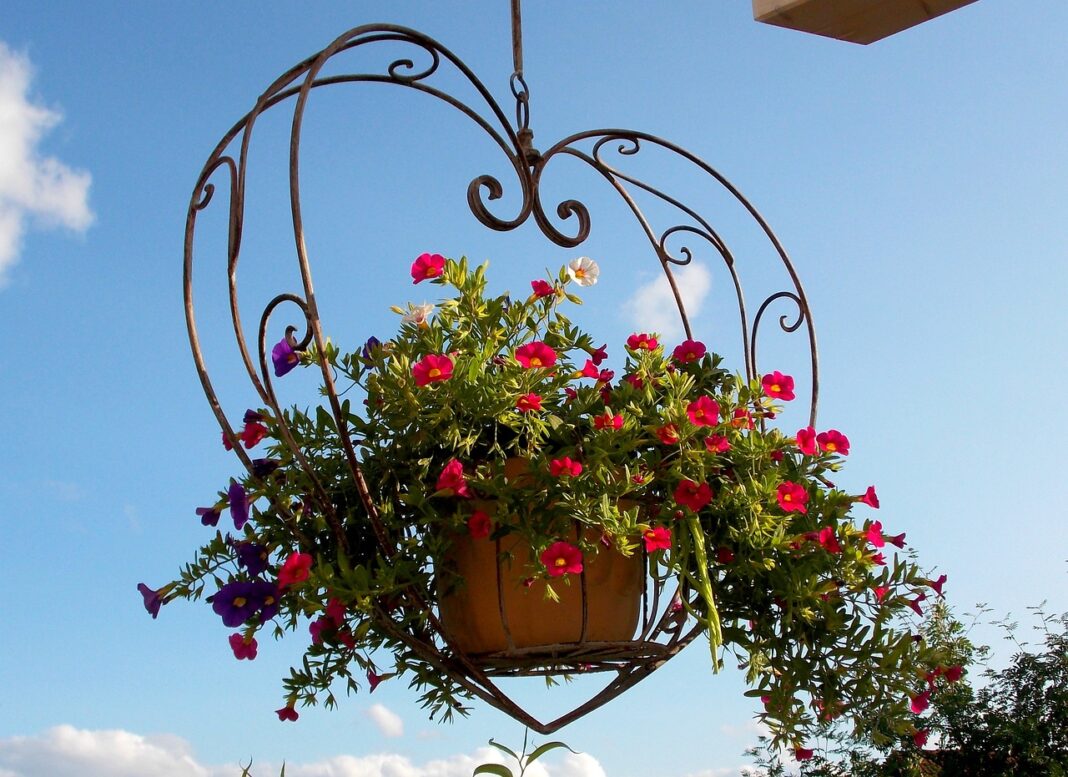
(918, 184)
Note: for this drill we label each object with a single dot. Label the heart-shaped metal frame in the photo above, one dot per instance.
(664, 629)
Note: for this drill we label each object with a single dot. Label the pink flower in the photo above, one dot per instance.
(778, 386)
(565, 466)
(792, 497)
(287, 713)
(243, 647)
(608, 421)
(634, 380)
(335, 611)
(316, 629)
(875, 535)
(432, 369)
(937, 584)
(743, 419)
(878, 558)
(668, 434)
(880, 592)
(897, 539)
(829, 540)
(226, 442)
(724, 555)
(833, 441)
(717, 443)
(252, 434)
(528, 402)
(452, 480)
(920, 737)
(295, 570)
(920, 702)
(599, 354)
(427, 266)
(803, 753)
(703, 412)
(535, 354)
(806, 441)
(642, 342)
(479, 525)
(688, 351)
(915, 603)
(372, 681)
(693, 495)
(571, 393)
(776, 456)
(541, 288)
(561, 558)
(870, 498)
(953, 673)
(658, 538)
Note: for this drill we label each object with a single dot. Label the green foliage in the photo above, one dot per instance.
(789, 590)
(522, 758)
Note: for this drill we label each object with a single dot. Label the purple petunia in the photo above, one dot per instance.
(153, 599)
(261, 468)
(238, 601)
(238, 504)
(252, 417)
(372, 345)
(209, 516)
(252, 557)
(284, 357)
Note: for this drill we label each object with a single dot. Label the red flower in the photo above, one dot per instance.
(792, 497)
(875, 535)
(803, 753)
(693, 495)
(599, 354)
(937, 584)
(608, 421)
(634, 380)
(724, 555)
(561, 558)
(252, 434)
(920, 737)
(287, 713)
(920, 702)
(743, 419)
(806, 441)
(535, 354)
(565, 466)
(427, 266)
(658, 538)
(897, 539)
(880, 592)
(432, 369)
(226, 442)
(669, 434)
(833, 441)
(571, 393)
(642, 342)
(372, 681)
(335, 611)
(953, 673)
(915, 603)
(243, 647)
(541, 288)
(688, 351)
(870, 498)
(528, 402)
(778, 385)
(452, 481)
(703, 412)
(775, 456)
(717, 443)
(829, 540)
(878, 558)
(479, 525)
(295, 570)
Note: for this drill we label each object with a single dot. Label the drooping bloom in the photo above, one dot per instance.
(287, 713)
(295, 570)
(920, 702)
(874, 535)
(703, 411)
(608, 420)
(688, 351)
(584, 271)
(829, 540)
(417, 314)
(252, 434)
(590, 370)
(227, 443)
(897, 539)
(915, 603)
(792, 497)
(870, 498)
(937, 584)
(833, 441)
(778, 386)
(668, 434)
(432, 368)
(243, 648)
(541, 288)
(657, 538)
(528, 402)
(316, 629)
(238, 504)
(153, 598)
(252, 417)
(920, 737)
(535, 354)
(252, 556)
(561, 558)
(598, 355)
(642, 342)
(452, 480)
(479, 525)
(806, 441)
(372, 681)
(565, 466)
(693, 495)
(717, 443)
(427, 266)
(209, 516)
(803, 754)
(284, 357)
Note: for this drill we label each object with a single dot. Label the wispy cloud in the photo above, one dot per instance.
(32, 186)
(652, 307)
(65, 751)
(386, 720)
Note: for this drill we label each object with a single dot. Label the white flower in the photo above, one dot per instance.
(417, 314)
(583, 271)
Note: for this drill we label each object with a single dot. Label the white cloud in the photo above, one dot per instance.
(652, 308)
(386, 721)
(65, 751)
(32, 185)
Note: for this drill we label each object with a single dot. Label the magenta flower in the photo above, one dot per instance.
(657, 538)
(875, 535)
(528, 403)
(806, 441)
(880, 592)
(920, 737)
(243, 647)
(252, 434)
(688, 351)
(693, 495)
(703, 412)
(920, 702)
(829, 540)
(452, 480)
(803, 753)
(717, 443)
(561, 558)
(372, 680)
(915, 603)
(287, 713)
(608, 420)
(599, 354)
(535, 354)
(295, 570)
(937, 584)
(833, 441)
(541, 288)
(778, 386)
(153, 599)
(284, 357)
(897, 539)
(479, 525)
(792, 497)
(316, 629)
(432, 368)
(870, 498)
(209, 516)
(238, 504)
(642, 342)
(427, 266)
(565, 466)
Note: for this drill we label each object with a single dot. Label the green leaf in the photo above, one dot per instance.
(504, 749)
(538, 752)
(497, 769)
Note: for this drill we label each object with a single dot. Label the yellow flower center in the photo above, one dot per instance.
(434, 372)
(561, 561)
(775, 387)
(268, 601)
(239, 601)
(830, 446)
(535, 361)
(580, 273)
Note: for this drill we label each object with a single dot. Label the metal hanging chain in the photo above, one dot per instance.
(519, 88)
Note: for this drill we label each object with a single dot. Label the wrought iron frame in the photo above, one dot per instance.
(663, 630)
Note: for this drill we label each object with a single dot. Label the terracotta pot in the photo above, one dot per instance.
(492, 609)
